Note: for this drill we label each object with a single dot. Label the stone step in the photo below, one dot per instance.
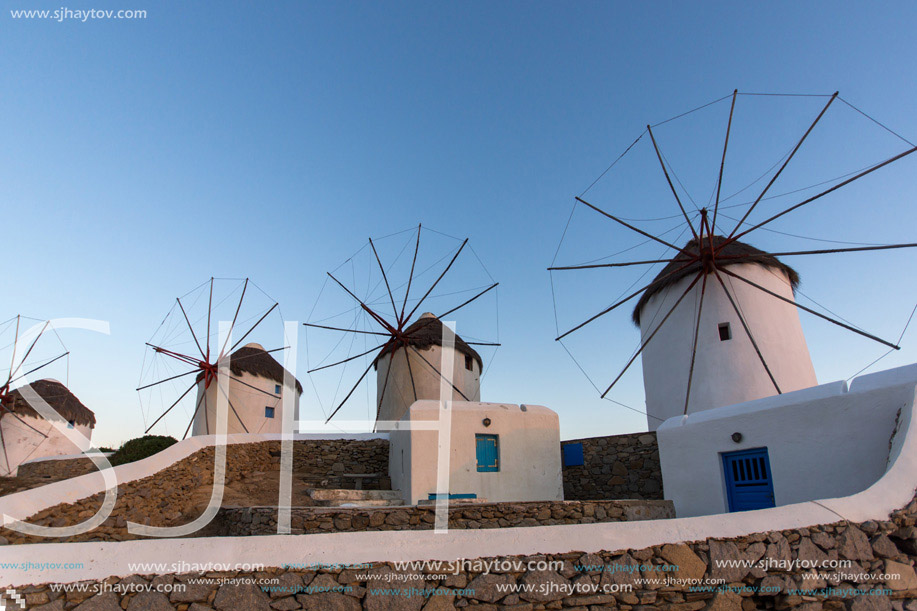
(341, 494)
(360, 503)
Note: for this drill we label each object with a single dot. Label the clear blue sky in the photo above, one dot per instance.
(269, 140)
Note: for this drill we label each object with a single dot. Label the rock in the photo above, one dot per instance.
(778, 551)
(191, 593)
(328, 601)
(33, 599)
(823, 540)
(883, 547)
(725, 559)
(484, 587)
(725, 601)
(56, 605)
(689, 564)
(241, 597)
(286, 604)
(545, 586)
(102, 602)
(287, 584)
(440, 602)
(377, 601)
(150, 601)
(772, 585)
(870, 602)
(457, 581)
(854, 544)
(324, 582)
(900, 576)
(590, 563)
(811, 554)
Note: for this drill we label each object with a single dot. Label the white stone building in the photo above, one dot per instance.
(414, 375)
(727, 368)
(30, 435)
(818, 443)
(494, 451)
(255, 396)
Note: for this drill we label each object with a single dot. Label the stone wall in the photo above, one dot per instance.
(243, 521)
(615, 467)
(880, 576)
(331, 458)
(173, 497)
(56, 470)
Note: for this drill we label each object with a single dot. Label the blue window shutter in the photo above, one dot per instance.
(268, 412)
(487, 451)
(573, 454)
(749, 483)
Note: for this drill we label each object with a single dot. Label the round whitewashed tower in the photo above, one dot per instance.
(26, 435)
(255, 395)
(414, 370)
(728, 368)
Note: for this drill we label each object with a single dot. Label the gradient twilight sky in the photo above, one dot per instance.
(268, 140)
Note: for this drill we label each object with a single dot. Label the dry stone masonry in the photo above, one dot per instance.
(879, 575)
(56, 470)
(244, 521)
(173, 496)
(615, 467)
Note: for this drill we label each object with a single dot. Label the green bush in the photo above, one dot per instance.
(140, 448)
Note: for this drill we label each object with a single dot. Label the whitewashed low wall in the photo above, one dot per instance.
(22, 442)
(529, 452)
(822, 442)
(892, 491)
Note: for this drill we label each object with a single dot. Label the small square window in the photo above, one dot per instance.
(725, 331)
(70, 424)
(469, 363)
(276, 389)
(268, 412)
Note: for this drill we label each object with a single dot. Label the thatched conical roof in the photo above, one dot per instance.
(748, 254)
(254, 359)
(428, 331)
(57, 396)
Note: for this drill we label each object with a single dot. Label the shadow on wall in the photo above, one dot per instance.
(613, 467)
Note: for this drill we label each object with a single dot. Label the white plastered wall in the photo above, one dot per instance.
(399, 393)
(725, 372)
(24, 443)
(99, 560)
(822, 442)
(529, 452)
(248, 402)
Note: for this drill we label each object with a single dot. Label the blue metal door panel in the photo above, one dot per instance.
(749, 484)
(573, 454)
(488, 456)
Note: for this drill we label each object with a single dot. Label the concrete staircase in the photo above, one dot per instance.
(355, 498)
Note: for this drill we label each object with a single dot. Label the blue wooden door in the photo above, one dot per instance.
(749, 484)
(488, 453)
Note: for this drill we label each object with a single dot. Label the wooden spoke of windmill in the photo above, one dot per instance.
(16, 374)
(708, 254)
(205, 366)
(400, 332)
